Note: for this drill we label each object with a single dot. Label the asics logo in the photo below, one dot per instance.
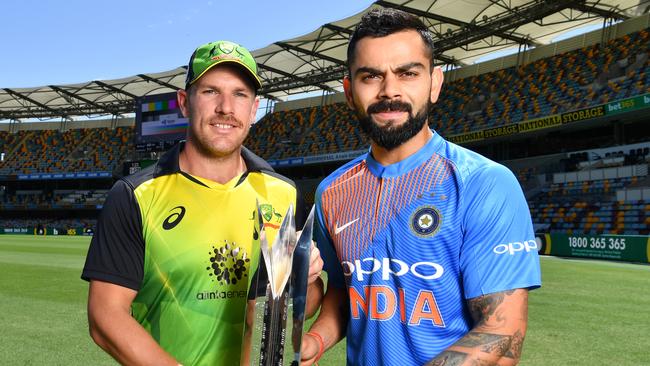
(172, 220)
(338, 229)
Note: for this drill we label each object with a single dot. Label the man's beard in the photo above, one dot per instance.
(389, 137)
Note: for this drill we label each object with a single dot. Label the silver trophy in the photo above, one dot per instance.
(285, 262)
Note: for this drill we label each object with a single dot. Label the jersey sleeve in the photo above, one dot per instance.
(324, 242)
(499, 250)
(116, 252)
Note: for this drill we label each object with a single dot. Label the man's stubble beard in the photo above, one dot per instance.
(204, 146)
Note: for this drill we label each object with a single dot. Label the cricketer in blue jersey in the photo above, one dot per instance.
(429, 247)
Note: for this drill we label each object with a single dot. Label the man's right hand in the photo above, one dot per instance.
(309, 350)
(114, 329)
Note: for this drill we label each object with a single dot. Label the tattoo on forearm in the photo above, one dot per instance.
(486, 342)
(485, 310)
(483, 307)
(483, 342)
(516, 345)
(448, 358)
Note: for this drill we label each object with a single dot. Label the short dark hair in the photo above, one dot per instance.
(383, 22)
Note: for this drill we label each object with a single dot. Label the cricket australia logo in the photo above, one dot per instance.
(229, 264)
(271, 217)
(226, 47)
(425, 221)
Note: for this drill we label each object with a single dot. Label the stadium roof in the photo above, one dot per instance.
(465, 30)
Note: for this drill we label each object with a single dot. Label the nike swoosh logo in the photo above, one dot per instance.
(338, 229)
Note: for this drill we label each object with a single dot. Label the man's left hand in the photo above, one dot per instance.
(315, 264)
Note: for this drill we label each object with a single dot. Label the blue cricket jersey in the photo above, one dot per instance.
(413, 240)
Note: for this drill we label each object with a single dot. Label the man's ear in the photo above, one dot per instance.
(437, 78)
(183, 101)
(256, 105)
(347, 88)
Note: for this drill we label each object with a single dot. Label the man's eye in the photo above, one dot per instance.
(409, 74)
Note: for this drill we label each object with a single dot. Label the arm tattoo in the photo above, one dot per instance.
(448, 358)
(451, 358)
(483, 307)
(516, 345)
(486, 341)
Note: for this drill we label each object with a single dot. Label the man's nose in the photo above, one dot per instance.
(390, 87)
(225, 104)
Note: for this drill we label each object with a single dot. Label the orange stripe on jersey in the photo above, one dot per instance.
(357, 204)
(344, 201)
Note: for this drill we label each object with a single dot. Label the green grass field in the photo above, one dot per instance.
(586, 313)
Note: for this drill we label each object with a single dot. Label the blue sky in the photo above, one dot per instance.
(72, 41)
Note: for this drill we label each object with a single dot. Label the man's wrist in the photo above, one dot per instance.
(321, 344)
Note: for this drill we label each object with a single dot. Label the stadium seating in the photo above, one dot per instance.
(593, 75)
(78, 150)
(305, 132)
(570, 81)
(576, 79)
(582, 217)
(590, 207)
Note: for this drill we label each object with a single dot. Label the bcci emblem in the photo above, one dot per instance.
(425, 221)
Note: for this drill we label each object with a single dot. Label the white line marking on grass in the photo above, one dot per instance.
(627, 265)
(49, 259)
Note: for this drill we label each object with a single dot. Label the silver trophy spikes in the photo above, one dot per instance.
(286, 259)
(299, 278)
(278, 257)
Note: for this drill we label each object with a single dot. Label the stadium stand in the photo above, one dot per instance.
(589, 195)
(578, 79)
(65, 205)
(306, 131)
(590, 179)
(52, 151)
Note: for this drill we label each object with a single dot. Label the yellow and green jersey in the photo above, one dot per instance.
(188, 246)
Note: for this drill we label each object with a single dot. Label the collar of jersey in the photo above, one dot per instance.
(168, 163)
(393, 170)
(215, 185)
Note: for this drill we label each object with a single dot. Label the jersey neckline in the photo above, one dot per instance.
(401, 167)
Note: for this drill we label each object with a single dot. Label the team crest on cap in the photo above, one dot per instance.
(226, 47)
(425, 221)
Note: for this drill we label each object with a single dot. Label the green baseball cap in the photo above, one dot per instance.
(214, 53)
